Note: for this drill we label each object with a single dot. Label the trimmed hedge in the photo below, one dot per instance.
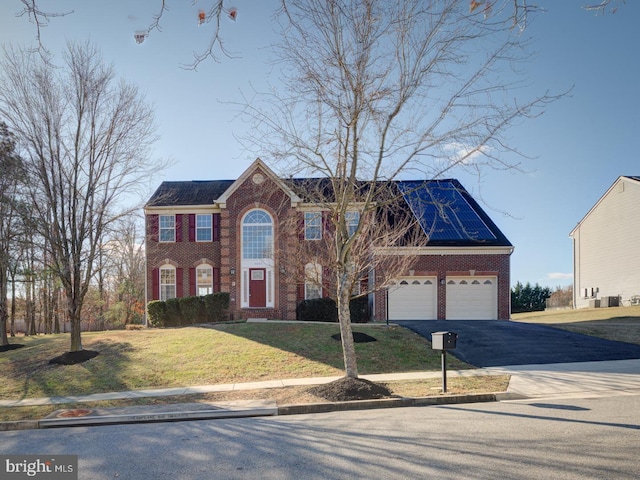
(325, 310)
(177, 312)
(192, 310)
(216, 307)
(157, 311)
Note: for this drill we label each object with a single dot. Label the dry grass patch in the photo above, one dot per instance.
(621, 324)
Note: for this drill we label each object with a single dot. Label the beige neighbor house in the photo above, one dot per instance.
(243, 237)
(606, 249)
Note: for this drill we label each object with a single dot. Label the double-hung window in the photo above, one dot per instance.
(312, 225)
(352, 219)
(204, 280)
(167, 283)
(312, 281)
(204, 228)
(167, 228)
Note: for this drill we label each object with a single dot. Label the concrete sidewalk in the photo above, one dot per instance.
(582, 379)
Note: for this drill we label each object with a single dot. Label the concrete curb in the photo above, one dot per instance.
(384, 403)
(188, 412)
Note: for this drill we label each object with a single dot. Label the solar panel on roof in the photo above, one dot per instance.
(443, 212)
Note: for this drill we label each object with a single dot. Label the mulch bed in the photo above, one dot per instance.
(72, 358)
(358, 337)
(347, 388)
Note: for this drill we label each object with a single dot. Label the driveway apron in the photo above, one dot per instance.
(492, 343)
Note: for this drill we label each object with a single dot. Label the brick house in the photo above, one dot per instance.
(240, 236)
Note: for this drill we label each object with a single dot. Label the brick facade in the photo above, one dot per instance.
(267, 193)
(443, 265)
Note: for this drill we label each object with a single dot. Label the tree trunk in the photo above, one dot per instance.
(346, 333)
(4, 340)
(76, 324)
(12, 328)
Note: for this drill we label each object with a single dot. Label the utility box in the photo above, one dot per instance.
(443, 340)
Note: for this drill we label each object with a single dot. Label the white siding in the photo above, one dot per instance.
(607, 246)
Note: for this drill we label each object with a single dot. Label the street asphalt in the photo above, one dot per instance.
(492, 343)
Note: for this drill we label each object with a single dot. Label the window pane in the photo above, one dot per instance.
(352, 219)
(167, 283)
(257, 235)
(313, 281)
(311, 291)
(312, 225)
(203, 228)
(204, 280)
(167, 228)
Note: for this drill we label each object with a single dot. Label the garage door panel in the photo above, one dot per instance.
(413, 298)
(472, 298)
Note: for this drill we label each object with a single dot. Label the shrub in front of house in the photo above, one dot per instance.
(157, 311)
(191, 310)
(359, 308)
(216, 307)
(325, 310)
(177, 312)
(174, 316)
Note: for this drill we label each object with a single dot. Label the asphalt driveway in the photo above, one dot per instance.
(493, 343)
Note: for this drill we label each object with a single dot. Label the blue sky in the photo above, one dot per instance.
(578, 147)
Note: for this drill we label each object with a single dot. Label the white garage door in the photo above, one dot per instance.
(472, 298)
(413, 298)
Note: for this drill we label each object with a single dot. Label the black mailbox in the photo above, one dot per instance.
(443, 340)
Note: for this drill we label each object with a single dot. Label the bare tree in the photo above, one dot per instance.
(218, 11)
(85, 138)
(124, 274)
(374, 91)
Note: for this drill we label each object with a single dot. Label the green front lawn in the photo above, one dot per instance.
(229, 353)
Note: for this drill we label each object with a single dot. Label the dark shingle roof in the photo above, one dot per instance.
(444, 208)
(195, 192)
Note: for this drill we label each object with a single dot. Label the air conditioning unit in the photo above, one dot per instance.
(609, 302)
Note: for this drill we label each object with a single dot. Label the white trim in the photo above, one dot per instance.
(621, 178)
(247, 174)
(411, 251)
(181, 209)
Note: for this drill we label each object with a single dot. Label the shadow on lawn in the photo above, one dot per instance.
(100, 372)
(395, 349)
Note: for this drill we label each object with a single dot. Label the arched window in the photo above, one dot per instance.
(204, 280)
(312, 281)
(257, 235)
(167, 282)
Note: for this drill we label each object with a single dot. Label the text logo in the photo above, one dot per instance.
(49, 467)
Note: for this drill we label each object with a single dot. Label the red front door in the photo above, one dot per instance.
(257, 287)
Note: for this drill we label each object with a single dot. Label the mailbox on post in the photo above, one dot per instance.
(444, 341)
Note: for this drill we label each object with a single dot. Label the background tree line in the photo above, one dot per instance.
(528, 298)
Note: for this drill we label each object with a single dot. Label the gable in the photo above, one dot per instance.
(620, 203)
(257, 174)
